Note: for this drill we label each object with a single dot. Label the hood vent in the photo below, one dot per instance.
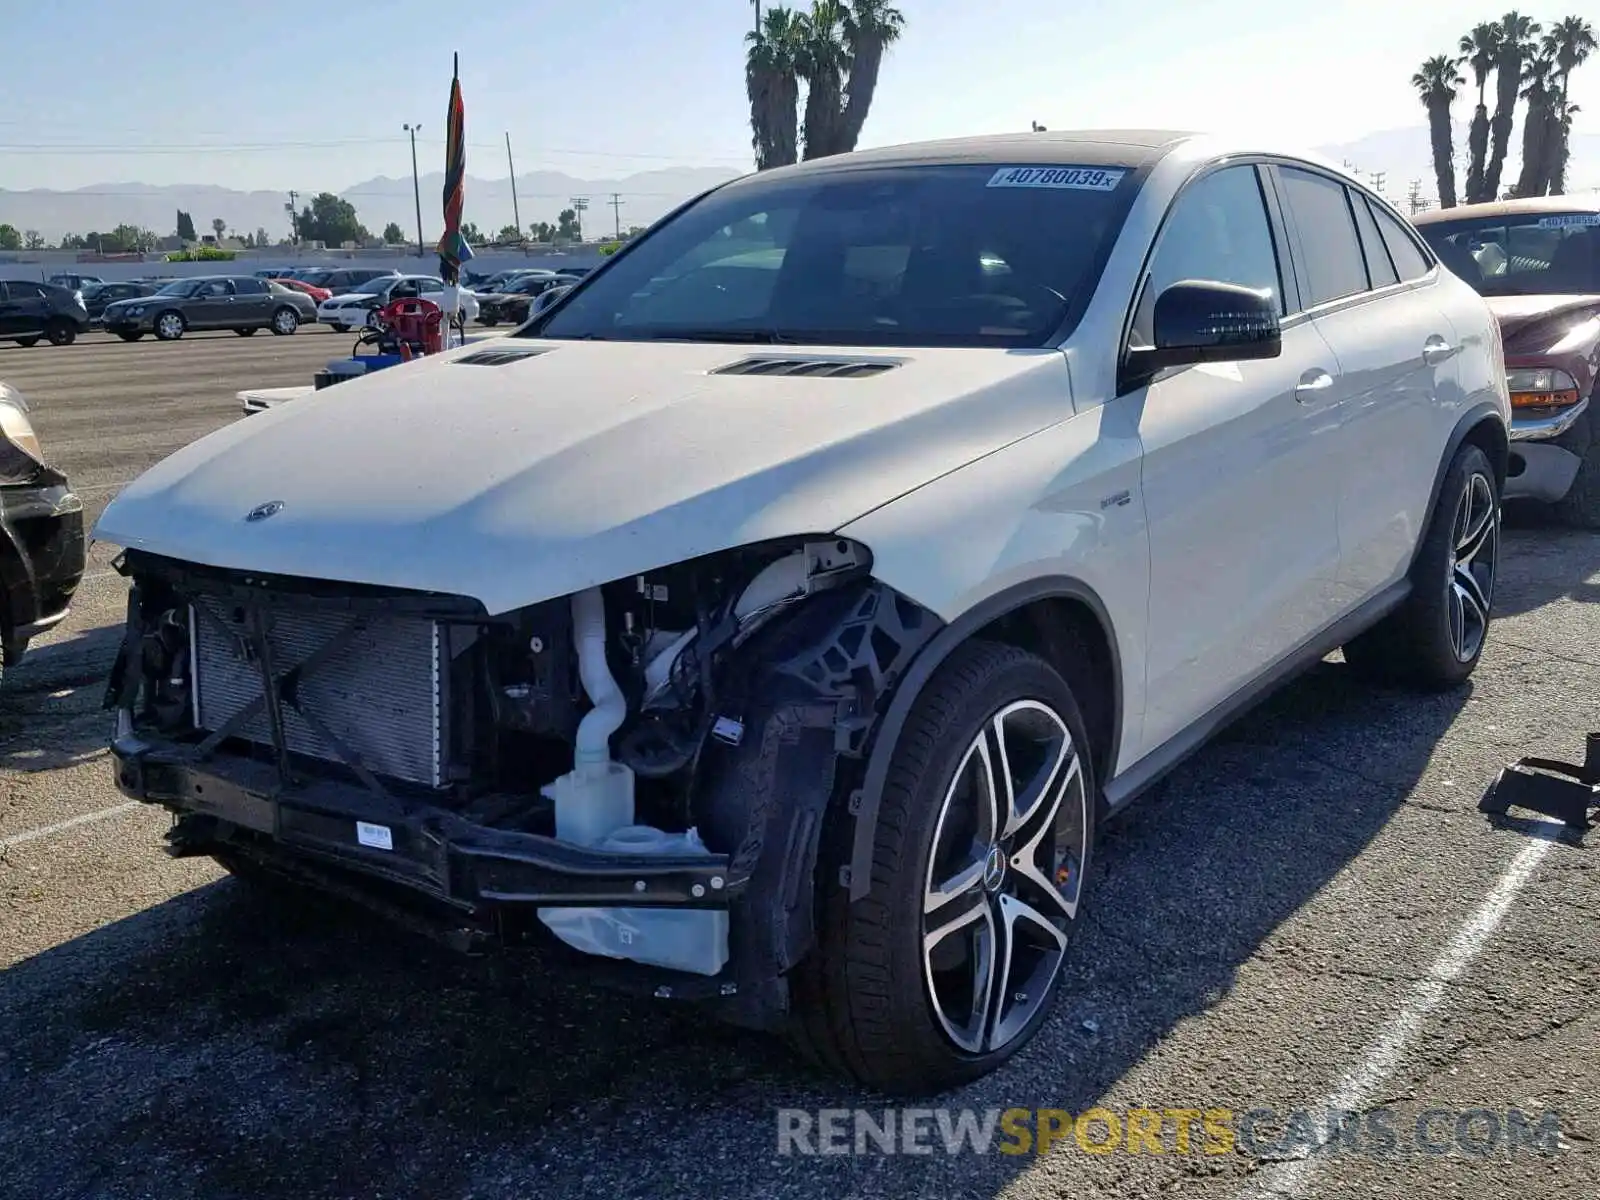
(499, 356)
(809, 368)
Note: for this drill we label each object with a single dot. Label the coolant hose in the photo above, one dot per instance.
(589, 639)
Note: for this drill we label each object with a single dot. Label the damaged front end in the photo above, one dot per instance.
(642, 770)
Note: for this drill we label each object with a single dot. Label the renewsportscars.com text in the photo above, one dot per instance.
(1256, 1132)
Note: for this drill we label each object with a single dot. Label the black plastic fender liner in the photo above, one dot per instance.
(864, 805)
(802, 704)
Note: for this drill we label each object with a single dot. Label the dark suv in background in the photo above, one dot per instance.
(30, 311)
(96, 296)
(41, 534)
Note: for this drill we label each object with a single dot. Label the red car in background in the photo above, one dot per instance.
(1537, 263)
(319, 294)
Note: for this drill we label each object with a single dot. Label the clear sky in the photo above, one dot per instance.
(253, 95)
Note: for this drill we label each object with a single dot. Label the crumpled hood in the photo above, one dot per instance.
(1531, 324)
(586, 463)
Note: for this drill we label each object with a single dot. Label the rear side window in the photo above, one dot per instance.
(1408, 259)
(1333, 263)
(251, 287)
(1379, 267)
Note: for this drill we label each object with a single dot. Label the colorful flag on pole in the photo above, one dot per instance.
(453, 248)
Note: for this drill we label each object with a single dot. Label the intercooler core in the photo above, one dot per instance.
(378, 693)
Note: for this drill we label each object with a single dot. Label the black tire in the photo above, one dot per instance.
(61, 333)
(1433, 641)
(28, 341)
(246, 331)
(1580, 507)
(488, 319)
(130, 336)
(338, 328)
(169, 329)
(284, 321)
(865, 997)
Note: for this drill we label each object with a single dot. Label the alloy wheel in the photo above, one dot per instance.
(1475, 537)
(285, 321)
(170, 325)
(1004, 877)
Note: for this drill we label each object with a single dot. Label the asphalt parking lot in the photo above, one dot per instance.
(1311, 914)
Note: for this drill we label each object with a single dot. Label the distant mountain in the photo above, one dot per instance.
(1406, 154)
(540, 196)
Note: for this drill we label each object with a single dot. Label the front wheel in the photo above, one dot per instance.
(985, 827)
(128, 336)
(1434, 640)
(285, 321)
(338, 328)
(170, 326)
(28, 341)
(488, 319)
(246, 331)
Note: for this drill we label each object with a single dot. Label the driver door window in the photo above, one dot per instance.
(1218, 232)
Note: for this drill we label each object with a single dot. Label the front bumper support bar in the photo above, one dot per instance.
(422, 846)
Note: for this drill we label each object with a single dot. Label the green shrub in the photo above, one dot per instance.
(202, 254)
(610, 248)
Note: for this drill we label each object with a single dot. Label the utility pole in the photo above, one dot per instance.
(516, 212)
(416, 183)
(1377, 181)
(294, 216)
(580, 205)
(616, 210)
(1414, 197)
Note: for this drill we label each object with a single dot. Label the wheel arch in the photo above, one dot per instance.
(1061, 619)
(1482, 426)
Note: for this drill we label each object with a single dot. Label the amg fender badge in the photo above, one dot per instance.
(262, 511)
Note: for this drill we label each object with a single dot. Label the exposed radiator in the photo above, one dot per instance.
(379, 694)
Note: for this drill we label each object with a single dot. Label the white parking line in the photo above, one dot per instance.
(16, 839)
(1360, 1085)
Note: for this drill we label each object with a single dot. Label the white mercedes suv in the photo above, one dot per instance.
(770, 622)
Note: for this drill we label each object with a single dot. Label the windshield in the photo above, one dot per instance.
(1530, 254)
(180, 287)
(971, 254)
(314, 278)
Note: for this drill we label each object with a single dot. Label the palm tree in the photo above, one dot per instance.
(823, 60)
(1516, 47)
(870, 28)
(1480, 49)
(1536, 125)
(1436, 82)
(1562, 116)
(1570, 43)
(772, 82)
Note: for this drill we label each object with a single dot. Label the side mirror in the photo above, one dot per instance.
(1201, 321)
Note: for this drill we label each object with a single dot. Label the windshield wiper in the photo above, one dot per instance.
(761, 337)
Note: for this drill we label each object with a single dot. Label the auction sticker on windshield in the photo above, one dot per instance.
(1566, 220)
(1083, 179)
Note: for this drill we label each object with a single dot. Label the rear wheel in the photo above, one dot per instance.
(949, 964)
(170, 325)
(285, 321)
(1434, 640)
(28, 341)
(130, 336)
(485, 318)
(247, 331)
(338, 328)
(61, 333)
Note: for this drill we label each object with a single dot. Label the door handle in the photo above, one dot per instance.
(1312, 384)
(1436, 350)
